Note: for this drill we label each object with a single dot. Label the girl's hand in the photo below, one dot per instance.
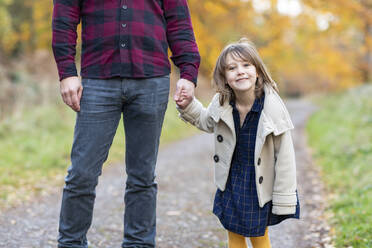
(183, 100)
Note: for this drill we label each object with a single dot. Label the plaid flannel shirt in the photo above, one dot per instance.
(125, 38)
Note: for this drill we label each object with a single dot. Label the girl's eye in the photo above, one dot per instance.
(247, 64)
(231, 68)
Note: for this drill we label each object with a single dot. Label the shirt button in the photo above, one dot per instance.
(259, 161)
(125, 6)
(122, 44)
(123, 25)
(216, 158)
(260, 179)
(219, 138)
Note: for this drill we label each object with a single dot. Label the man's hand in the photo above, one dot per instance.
(184, 93)
(71, 90)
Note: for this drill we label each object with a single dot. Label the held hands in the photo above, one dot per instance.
(184, 93)
(71, 90)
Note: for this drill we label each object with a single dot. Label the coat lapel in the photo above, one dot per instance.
(266, 125)
(263, 129)
(224, 113)
(227, 117)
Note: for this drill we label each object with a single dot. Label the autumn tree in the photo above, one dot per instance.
(326, 46)
(6, 29)
(351, 21)
(302, 55)
(25, 26)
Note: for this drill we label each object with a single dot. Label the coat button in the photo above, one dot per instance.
(260, 179)
(259, 161)
(219, 138)
(216, 158)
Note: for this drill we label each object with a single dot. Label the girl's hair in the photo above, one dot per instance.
(246, 51)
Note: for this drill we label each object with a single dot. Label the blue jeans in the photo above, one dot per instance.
(143, 103)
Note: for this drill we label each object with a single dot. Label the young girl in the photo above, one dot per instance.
(255, 169)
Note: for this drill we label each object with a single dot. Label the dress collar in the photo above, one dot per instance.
(256, 107)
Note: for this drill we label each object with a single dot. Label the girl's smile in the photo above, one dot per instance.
(240, 75)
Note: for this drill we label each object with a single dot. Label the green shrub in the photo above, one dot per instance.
(341, 136)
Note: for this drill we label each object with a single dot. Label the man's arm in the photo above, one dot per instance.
(66, 17)
(185, 54)
(181, 39)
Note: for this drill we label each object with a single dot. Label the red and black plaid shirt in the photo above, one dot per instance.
(125, 38)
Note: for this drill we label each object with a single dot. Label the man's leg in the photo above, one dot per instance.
(95, 128)
(143, 115)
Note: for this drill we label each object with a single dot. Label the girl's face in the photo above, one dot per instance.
(240, 75)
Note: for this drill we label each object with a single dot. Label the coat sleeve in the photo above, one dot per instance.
(285, 185)
(198, 116)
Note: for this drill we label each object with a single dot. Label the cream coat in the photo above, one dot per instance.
(274, 160)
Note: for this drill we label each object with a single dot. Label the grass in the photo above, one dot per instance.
(341, 136)
(35, 149)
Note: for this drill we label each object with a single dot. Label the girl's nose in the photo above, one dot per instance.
(240, 70)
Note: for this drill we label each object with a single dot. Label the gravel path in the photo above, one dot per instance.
(185, 199)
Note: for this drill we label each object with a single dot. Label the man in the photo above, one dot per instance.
(125, 69)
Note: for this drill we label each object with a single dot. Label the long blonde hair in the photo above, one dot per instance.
(246, 51)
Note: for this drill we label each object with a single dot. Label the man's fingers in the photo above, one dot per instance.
(75, 101)
(177, 93)
(71, 91)
(182, 103)
(187, 92)
(184, 89)
(80, 92)
(180, 87)
(72, 99)
(66, 98)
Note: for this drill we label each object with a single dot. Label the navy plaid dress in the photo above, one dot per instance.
(237, 207)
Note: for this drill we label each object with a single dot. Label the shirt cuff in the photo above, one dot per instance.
(190, 73)
(66, 70)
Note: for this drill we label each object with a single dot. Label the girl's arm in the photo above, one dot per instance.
(198, 116)
(285, 185)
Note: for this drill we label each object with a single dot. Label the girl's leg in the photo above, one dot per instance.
(236, 240)
(262, 241)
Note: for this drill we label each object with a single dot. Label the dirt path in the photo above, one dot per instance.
(185, 198)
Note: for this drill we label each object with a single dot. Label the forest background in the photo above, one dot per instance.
(310, 47)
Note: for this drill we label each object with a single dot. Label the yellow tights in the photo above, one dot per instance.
(238, 241)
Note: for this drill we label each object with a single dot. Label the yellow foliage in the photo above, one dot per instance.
(6, 32)
(25, 33)
(41, 13)
(214, 8)
(301, 56)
